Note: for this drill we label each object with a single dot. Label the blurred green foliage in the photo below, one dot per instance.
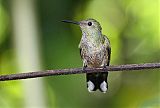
(133, 29)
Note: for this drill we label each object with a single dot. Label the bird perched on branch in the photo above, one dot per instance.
(95, 52)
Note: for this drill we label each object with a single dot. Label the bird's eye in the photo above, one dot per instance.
(89, 23)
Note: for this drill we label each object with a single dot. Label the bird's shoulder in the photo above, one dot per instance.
(106, 40)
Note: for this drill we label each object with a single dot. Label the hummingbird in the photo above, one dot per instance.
(95, 51)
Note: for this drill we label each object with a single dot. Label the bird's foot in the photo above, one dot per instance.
(84, 67)
(104, 66)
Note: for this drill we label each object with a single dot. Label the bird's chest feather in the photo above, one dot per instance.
(93, 54)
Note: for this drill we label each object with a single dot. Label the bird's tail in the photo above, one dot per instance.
(97, 81)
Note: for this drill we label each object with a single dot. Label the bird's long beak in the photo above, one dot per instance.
(73, 22)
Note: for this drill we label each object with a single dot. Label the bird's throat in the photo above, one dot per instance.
(95, 38)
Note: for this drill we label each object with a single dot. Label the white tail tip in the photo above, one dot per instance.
(103, 87)
(90, 86)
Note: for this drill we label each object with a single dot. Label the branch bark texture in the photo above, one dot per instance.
(128, 67)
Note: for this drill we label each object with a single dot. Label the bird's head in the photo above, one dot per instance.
(87, 26)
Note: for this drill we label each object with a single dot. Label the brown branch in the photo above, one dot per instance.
(78, 71)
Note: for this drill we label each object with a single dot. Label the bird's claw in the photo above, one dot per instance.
(104, 67)
(84, 67)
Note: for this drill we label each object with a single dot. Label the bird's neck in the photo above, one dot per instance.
(95, 38)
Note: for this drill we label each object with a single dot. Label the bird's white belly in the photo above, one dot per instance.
(94, 57)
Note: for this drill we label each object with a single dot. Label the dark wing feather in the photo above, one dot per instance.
(80, 49)
(109, 55)
(108, 48)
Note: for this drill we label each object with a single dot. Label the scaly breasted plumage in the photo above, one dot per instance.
(95, 52)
